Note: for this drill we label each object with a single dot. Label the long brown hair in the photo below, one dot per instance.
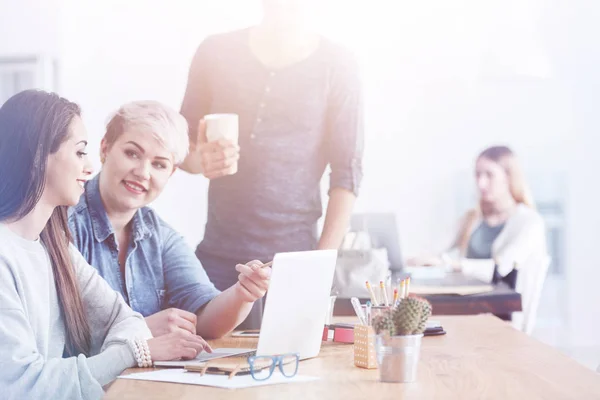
(33, 125)
(518, 188)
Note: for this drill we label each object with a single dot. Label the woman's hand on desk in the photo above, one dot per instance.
(253, 280)
(451, 265)
(171, 320)
(177, 345)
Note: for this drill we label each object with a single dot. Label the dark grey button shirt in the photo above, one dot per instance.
(294, 121)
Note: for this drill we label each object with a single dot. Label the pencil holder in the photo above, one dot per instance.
(364, 347)
(375, 310)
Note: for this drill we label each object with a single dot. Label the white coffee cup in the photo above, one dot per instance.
(222, 126)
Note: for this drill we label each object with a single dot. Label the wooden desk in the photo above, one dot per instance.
(481, 357)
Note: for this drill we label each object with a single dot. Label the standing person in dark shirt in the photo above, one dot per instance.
(299, 101)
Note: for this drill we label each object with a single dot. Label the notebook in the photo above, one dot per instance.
(204, 356)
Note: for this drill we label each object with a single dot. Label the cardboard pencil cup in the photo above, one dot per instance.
(364, 347)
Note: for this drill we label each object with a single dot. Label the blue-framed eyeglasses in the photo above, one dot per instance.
(262, 367)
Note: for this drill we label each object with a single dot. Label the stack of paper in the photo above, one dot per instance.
(458, 290)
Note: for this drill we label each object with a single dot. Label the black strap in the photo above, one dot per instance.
(510, 279)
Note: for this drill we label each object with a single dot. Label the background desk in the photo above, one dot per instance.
(481, 357)
(501, 301)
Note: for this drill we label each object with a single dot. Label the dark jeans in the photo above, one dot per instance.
(223, 275)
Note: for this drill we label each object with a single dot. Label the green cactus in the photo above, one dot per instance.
(425, 314)
(411, 315)
(408, 318)
(384, 324)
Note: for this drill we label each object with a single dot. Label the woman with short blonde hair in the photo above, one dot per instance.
(138, 253)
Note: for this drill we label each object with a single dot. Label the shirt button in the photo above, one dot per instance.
(262, 105)
(253, 136)
(258, 119)
(267, 89)
(272, 73)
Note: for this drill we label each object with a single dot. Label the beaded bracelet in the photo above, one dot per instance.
(141, 352)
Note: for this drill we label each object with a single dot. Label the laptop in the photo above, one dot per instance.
(383, 231)
(297, 303)
(295, 310)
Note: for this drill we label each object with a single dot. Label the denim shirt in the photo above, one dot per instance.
(161, 271)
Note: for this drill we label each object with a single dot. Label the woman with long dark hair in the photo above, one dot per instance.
(63, 331)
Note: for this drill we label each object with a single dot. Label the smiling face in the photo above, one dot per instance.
(136, 169)
(69, 168)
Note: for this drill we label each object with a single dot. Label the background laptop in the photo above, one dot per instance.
(383, 230)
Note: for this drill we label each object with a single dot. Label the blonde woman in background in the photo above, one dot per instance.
(504, 233)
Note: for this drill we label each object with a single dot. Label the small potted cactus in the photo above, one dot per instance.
(398, 343)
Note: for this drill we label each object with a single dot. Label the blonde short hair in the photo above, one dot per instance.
(166, 125)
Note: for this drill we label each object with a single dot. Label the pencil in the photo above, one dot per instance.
(372, 294)
(407, 286)
(384, 294)
(395, 297)
(267, 264)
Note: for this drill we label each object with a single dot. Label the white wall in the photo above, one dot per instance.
(443, 81)
(583, 60)
(29, 27)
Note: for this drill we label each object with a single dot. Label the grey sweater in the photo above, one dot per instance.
(32, 329)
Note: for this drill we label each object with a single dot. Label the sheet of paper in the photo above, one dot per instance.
(221, 381)
(459, 290)
(433, 324)
(426, 272)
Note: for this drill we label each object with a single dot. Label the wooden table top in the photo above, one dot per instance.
(481, 357)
